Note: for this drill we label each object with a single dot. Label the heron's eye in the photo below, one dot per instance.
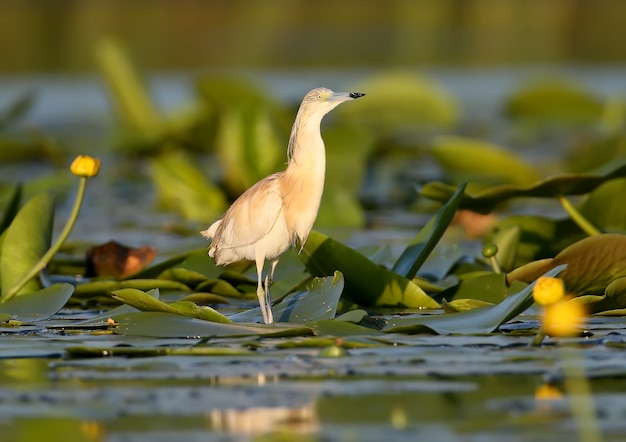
(319, 97)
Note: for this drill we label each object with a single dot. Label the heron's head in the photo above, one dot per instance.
(324, 100)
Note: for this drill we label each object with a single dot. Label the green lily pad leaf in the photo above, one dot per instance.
(461, 305)
(366, 283)
(604, 206)
(168, 325)
(614, 298)
(507, 240)
(134, 106)
(554, 100)
(26, 240)
(318, 301)
(592, 264)
(135, 352)
(188, 277)
(480, 320)
(346, 163)
(487, 287)
(219, 287)
(100, 287)
(404, 101)
(40, 305)
(180, 186)
(540, 236)
(420, 247)
(12, 207)
(340, 329)
(201, 298)
(144, 302)
(476, 160)
(246, 157)
(354, 316)
(484, 201)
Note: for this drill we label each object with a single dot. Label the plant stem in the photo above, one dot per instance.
(53, 250)
(538, 339)
(495, 264)
(578, 218)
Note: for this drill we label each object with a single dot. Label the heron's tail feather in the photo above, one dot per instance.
(210, 232)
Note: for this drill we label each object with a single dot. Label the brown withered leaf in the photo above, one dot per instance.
(115, 259)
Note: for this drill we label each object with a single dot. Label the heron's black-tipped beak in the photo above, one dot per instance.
(356, 95)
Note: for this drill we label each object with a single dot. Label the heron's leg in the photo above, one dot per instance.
(259, 289)
(269, 278)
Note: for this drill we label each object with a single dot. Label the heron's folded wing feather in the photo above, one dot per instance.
(252, 215)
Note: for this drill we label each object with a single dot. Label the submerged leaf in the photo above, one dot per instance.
(26, 240)
(481, 320)
(366, 283)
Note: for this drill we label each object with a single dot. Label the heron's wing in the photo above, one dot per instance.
(252, 215)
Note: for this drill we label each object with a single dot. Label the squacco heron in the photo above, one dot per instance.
(279, 211)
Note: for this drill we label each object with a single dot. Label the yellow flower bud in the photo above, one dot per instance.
(548, 392)
(546, 396)
(563, 318)
(85, 166)
(548, 290)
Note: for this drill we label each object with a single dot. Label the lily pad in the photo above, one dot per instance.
(484, 201)
(481, 320)
(476, 160)
(319, 301)
(554, 100)
(158, 324)
(40, 305)
(26, 240)
(488, 287)
(104, 287)
(144, 302)
(12, 207)
(366, 283)
(593, 265)
(403, 102)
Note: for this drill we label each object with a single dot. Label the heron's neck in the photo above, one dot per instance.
(304, 178)
(306, 147)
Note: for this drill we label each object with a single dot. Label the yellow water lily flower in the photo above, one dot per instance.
(548, 290)
(563, 318)
(85, 166)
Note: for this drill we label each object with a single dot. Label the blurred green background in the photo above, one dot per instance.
(58, 35)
